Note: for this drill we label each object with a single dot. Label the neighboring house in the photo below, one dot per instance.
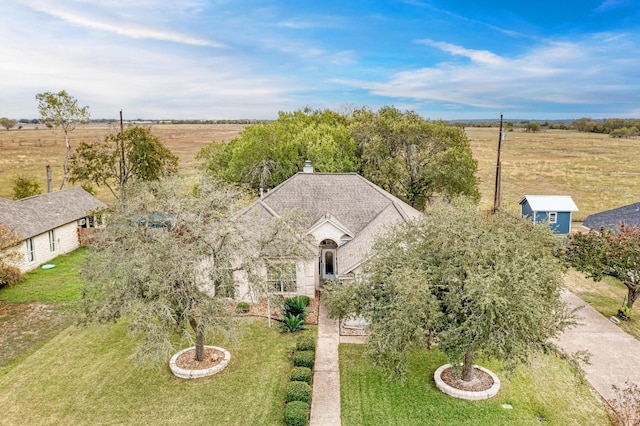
(612, 219)
(555, 210)
(345, 214)
(49, 224)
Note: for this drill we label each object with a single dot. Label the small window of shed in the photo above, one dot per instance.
(553, 217)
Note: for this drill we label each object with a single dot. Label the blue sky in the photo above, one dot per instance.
(216, 59)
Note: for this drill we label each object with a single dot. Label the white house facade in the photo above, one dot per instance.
(345, 214)
(48, 225)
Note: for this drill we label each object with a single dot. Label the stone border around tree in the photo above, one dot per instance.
(184, 373)
(463, 394)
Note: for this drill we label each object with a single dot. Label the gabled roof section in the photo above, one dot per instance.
(353, 253)
(328, 218)
(36, 215)
(352, 200)
(550, 203)
(612, 219)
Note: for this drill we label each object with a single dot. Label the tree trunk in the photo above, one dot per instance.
(65, 166)
(633, 291)
(467, 367)
(199, 330)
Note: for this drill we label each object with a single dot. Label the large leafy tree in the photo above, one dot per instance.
(475, 284)
(409, 156)
(133, 154)
(413, 158)
(62, 110)
(609, 253)
(266, 154)
(168, 258)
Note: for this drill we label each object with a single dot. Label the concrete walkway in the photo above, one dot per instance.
(325, 402)
(614, 355)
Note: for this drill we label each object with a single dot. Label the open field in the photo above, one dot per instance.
(27, 151)
(598, 171)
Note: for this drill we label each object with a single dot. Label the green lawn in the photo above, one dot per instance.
(58, 285)
(85, 376)
(547, 390)
(606, 297)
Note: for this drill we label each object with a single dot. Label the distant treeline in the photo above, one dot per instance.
(616, 127)
(143, 121)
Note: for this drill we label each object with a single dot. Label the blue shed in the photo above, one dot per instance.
(553, 209)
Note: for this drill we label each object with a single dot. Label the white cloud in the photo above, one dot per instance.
(589, 72)
(607, 5)
(119, 27)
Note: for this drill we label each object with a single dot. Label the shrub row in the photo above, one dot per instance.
(298, 400)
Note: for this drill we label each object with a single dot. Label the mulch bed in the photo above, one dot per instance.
(481, 380)
(211, 358)
(261, 310)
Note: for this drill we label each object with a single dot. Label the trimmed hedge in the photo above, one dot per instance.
(306, 342)
(298, 391)
(243, 307)
(304, 359)
(300, 374)
(296, 413)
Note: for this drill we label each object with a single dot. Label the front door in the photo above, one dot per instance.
(328, 263)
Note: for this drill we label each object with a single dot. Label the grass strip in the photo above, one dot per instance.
(548, 390)
(86, 376)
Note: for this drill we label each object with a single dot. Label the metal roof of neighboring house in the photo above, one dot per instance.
(41, 213)
(612, 219)
(550, 203)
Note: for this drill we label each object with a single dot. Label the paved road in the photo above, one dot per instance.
(614, 355)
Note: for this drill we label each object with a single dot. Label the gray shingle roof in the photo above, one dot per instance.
(35, 215)
(612, 219)
(355, 203)
(350, 198)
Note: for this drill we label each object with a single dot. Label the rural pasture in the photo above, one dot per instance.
(598, 171)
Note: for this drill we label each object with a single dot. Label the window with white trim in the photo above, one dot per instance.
(31, 256)
(52, 241)
(553, 217)
(281, 277)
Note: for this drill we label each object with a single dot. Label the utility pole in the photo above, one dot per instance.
(496, 193)
(123, 164)
(49, 179)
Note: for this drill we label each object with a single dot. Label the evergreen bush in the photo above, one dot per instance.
(306, 342)
(298, 391)
(300, 374)
(295, 306)
(296, 413)
(292, 323)
(243, 307)
(304, 359)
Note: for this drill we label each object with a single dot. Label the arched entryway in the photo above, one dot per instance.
(328, 260)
